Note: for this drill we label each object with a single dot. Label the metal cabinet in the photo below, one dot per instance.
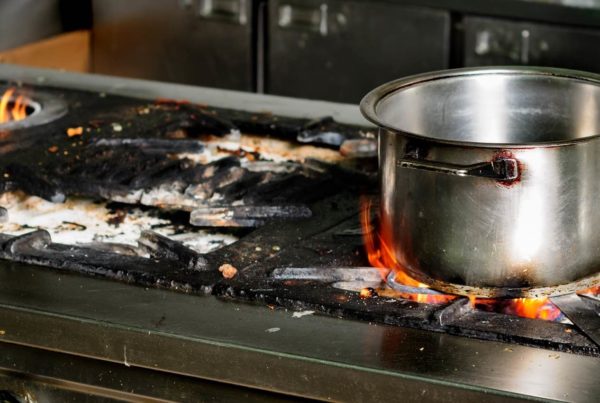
(27, 21)
(202, 42)
(338, 50)
(492, 41)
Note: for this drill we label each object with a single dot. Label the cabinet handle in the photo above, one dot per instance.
(524, 46)
(226, 10)
(304, 18)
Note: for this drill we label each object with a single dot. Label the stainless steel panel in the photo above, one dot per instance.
(207, 42)
(32, 375)
(315, 356)
(339, 50)
(25, 21)
(491, 41)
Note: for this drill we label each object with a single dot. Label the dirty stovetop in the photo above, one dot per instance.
(279, 198)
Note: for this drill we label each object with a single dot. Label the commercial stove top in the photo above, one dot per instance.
(212, 241)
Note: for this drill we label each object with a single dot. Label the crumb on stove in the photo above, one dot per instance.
(53, 149)
(74, 131)
(227, 270)
(367, 292)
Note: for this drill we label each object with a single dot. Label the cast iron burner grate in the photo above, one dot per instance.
(297, 245)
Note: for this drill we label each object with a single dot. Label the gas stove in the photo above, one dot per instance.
(214, 242)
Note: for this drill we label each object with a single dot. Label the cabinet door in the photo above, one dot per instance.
(491, 41)
(26, 21)
(339, 50)
(202, 42)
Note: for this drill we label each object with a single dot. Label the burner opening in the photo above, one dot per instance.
(15, 107)
(19, 109)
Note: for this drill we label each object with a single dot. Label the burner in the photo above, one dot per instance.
(20, 109)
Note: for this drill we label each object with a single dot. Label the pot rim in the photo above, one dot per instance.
(369, 103)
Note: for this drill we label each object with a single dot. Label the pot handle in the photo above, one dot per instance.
(502, 169)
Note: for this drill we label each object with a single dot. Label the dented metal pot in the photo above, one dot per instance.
(490, 178)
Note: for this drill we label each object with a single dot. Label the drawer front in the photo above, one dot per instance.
(339, 50)
(201, 42)
(490, 41)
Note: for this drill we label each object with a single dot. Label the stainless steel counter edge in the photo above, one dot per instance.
(253, 346)
(146, 89)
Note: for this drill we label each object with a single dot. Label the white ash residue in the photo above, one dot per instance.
(82, 221)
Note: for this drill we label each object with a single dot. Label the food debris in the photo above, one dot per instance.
(276, 248)
(2, 332)
(272, 330)
(227, 270)
(508, 350)
(302, 313)
(74, 131)
(71, 226)
(117, 127)
(367, 292)
(53, 149)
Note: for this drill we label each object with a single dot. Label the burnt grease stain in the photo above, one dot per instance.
(506, 154)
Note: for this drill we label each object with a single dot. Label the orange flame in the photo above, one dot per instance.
(4, 116)
(381, 256)
(12, 110)
(538, 308)
(533, 308)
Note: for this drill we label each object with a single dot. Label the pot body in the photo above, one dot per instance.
(539, 230)
(491, 183)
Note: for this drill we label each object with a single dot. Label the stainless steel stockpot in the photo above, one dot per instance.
(490, 178)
